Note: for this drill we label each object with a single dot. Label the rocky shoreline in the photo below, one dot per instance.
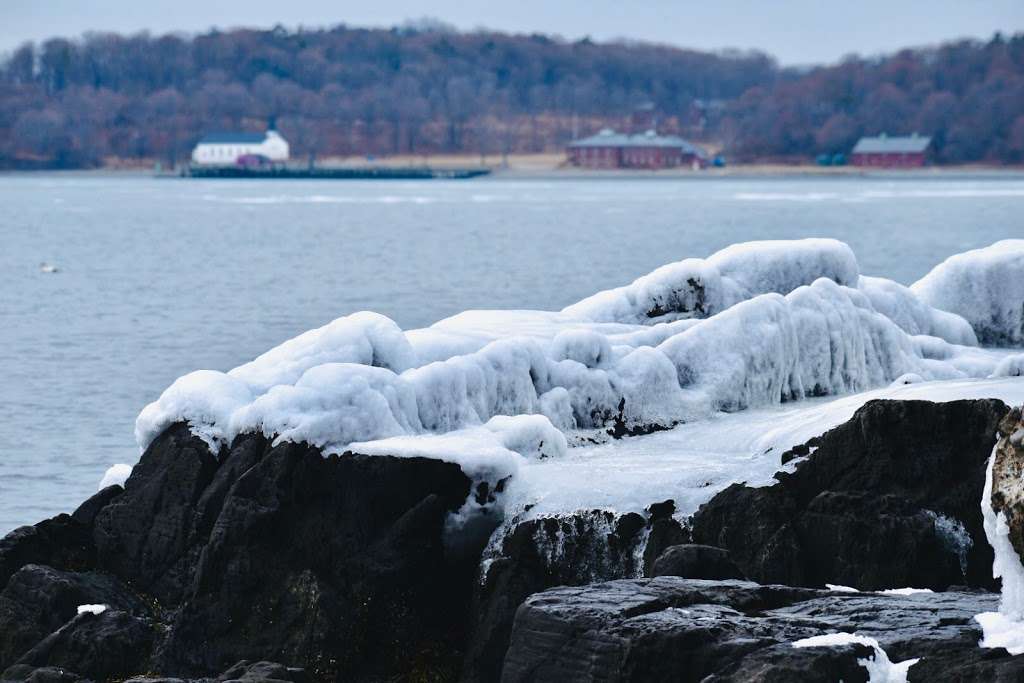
(267, 562)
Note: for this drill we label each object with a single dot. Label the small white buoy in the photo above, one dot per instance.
(48, 268)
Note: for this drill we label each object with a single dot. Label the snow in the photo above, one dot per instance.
(115, 474)
(703, 287)
(906, 591)
(92, 609)
(750, 327)
(984, 286)
(880, 668)
(1004, 628)
(1011, 366)
(900, 305)
(696, 460)
(837, 588)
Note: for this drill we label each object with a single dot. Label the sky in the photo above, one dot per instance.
(794, 31)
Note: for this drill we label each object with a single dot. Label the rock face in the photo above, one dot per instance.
(885, 500)
(1008, 477)
(266, 562)
(569, 550)
(338, 565)
(668, 628)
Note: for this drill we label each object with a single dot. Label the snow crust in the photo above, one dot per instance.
(880, 668)
(92, 609)
(985, 287)
(754, 325)
(696, 460)
(116, 474)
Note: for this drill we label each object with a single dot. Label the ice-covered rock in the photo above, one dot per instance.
(879, 667)
(697, 288)
(900, 305)
(984, 286)
(755, 324)
(1011, 366)
(816, 524)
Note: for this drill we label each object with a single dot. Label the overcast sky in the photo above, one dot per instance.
(795, 31)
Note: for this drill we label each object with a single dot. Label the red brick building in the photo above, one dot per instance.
(649, 150)
(891, 152)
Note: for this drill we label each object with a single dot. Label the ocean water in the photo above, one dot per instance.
(158, 277)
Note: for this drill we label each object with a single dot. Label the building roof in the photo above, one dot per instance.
(233, 138)
(609, 138)
(883, 144)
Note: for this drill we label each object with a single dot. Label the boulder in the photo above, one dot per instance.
(39, 600)
(110, 645)
(695, 561)
(888, 499)
(61, 542)
(670, 628)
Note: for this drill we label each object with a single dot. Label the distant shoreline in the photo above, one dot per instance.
(547, 171)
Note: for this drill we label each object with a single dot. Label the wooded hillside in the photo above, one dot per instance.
(428, 89)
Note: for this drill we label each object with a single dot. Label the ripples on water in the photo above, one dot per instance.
(160, 277)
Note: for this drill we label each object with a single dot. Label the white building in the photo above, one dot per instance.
(224, 149)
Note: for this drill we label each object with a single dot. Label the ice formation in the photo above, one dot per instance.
(880, 668)
(1004, 628)
(116, 474)
(1011, 366)
(985, 287)
(754, 325)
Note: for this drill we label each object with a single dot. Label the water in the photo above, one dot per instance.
(158, 277)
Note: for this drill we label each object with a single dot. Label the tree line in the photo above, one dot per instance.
(425, 88)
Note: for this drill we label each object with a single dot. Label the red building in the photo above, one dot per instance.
(891, 152)
(649, 150)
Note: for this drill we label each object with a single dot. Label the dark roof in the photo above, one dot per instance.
(233, 138)
(609, 138)
(883, 144)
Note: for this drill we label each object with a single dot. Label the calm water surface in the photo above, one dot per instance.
(158, 277)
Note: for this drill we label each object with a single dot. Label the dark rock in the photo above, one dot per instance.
(669, 628)
(262, 671)
(39, 600)
(112, 644)
(145, 534)
(887, 499)
(249, 672)
(40, 674)
(693, 561)
(335, 564)
(61, 542)
(87, 511)
(565, 550)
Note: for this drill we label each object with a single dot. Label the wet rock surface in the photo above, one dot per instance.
(887, 499)
(669, 628)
